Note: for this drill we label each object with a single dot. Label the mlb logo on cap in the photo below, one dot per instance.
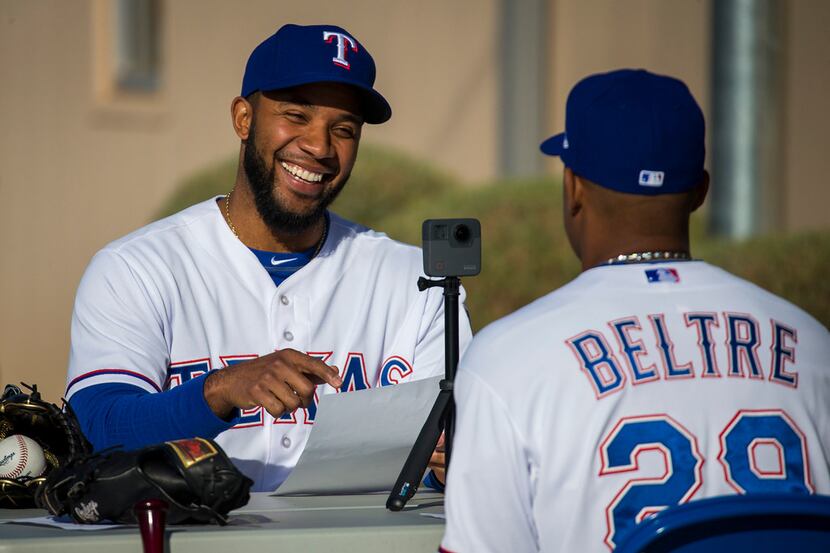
(651, 178)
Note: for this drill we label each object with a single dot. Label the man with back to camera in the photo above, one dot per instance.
(263, 283)
(651, 379)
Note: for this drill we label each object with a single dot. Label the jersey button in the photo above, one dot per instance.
(286, 442)
(284, 300)
(288, 335)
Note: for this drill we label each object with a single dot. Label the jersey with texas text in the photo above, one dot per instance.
(183, 296)
(631, 389)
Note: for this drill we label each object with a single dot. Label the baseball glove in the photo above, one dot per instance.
(56, 430)
(194, 476)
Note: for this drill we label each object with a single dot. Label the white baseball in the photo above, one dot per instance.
(21, 456)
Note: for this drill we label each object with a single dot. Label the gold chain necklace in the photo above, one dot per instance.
(233, 228)
(228, 213)
(646, 257)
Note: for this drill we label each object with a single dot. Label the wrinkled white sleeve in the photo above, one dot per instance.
(488, 496)
(118, 329)
(429, 351)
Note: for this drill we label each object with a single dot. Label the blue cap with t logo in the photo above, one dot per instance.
(297, 55)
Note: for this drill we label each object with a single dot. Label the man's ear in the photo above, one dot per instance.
(573, 192)
(700, 191)
(242, 113)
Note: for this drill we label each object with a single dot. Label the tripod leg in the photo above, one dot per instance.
(449, 431)
(416, 464)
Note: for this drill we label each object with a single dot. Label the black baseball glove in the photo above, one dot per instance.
(194, 476)
(56, 430)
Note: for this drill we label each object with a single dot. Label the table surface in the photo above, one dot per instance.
(267, 523)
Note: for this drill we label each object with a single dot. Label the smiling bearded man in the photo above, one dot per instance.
(314, 173)
(264, 283)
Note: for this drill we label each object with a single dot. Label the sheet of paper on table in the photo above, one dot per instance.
(65, 523)
(361, 439)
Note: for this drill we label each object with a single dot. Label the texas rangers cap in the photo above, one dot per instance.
(297, 55)
(632, 131)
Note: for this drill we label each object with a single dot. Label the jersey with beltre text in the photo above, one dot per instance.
(633, 388)
(183, 296)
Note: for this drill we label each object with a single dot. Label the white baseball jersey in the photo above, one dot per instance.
(633, 388)
(183, 296)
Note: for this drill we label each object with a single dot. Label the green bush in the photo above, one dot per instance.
(385, 182)
(793, 266)
(525, 252)
(212, 181)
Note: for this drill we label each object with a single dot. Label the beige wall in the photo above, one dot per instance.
(806, 163)
(663, 36)
(80, 166)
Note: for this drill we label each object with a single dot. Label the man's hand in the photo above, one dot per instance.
(437, 462)
(280, 382)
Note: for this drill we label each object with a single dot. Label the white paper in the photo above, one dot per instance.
(361, 439)
(65, 523)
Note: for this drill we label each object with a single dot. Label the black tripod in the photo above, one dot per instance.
(442, 415)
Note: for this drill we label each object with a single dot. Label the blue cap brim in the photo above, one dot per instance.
(554, 146)
(376, 108)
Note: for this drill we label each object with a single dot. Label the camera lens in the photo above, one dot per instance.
(461, 233)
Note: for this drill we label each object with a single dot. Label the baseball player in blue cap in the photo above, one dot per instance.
(650, 380)
(230, 318)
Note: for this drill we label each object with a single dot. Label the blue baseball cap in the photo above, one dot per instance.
(297, 55)
(632, 131)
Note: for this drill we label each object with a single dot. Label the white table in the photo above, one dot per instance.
(327, 524)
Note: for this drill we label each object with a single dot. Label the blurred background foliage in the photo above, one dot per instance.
(525, 252)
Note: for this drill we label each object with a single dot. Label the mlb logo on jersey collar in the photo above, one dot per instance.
(662, 274)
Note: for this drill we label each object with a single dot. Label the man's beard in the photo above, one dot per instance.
(261, 180)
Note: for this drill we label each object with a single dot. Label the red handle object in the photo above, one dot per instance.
(151, 515)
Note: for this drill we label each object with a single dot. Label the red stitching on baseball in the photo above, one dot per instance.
(24, 455)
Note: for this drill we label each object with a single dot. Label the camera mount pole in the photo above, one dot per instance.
(442, 415)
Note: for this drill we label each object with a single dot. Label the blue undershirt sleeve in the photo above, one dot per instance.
(431, 481)
(129, 416)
